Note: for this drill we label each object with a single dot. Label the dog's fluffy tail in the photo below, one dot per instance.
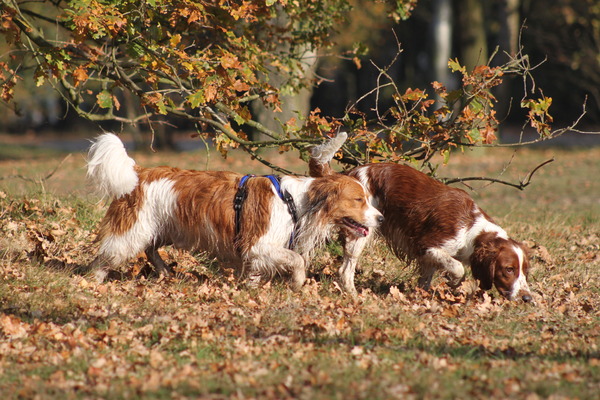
(109, 167)
(322, 154)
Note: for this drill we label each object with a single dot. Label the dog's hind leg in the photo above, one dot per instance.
(99, 266)
(114, 251)
(156, 260)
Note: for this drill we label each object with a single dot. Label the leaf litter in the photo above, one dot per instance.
(202, 334)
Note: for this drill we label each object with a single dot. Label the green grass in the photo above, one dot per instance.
(27, 152)
(203, 335)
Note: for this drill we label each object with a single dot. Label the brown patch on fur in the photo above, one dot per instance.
(205, 207)
(483, 259)
(317, 169)
(123, 211)
(423, 210)
(256, 212)
(122, 214)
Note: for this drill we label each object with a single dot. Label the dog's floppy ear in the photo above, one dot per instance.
(324, 195)
(325, 192)
(483, 264)
(483, 271)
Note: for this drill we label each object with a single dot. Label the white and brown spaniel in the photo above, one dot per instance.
(439, 227)
(261, 225)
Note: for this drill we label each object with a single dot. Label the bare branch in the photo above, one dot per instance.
(521, 185)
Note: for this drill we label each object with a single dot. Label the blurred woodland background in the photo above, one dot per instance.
(340, 58)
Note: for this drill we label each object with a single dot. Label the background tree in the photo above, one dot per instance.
(472, 32)
(442, 40)
(199, 61)
(202, 64)
(567, 34)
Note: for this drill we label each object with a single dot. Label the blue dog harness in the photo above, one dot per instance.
(242, 193)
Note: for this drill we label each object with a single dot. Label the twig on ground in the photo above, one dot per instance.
(38, 180)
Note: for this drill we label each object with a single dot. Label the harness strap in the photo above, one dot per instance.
(284, 195)
(238, 201)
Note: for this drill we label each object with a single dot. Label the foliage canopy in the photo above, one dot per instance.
(205, 61)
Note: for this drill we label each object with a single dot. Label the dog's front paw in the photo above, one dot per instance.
(455, 282)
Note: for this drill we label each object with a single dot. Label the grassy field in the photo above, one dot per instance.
(201, 335)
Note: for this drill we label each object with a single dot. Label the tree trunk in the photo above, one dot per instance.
(510, 20)
(442, 41)
(509, 43)
(472, 34)
(131, 110)
(295, 105)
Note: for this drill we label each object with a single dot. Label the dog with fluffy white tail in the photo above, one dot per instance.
(262, 225)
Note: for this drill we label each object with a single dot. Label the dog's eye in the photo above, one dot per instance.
(359, 199)
(510, 270)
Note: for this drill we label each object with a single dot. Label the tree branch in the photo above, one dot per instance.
(261, 128)
(521, 185)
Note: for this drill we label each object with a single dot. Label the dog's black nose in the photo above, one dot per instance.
(527, 298)
(380, 219)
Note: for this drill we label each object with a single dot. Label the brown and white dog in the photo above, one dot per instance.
(439, 227)
(194, 210)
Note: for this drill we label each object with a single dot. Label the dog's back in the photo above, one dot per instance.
(420, 212)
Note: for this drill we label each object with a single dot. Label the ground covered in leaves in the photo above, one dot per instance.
(202, 334)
